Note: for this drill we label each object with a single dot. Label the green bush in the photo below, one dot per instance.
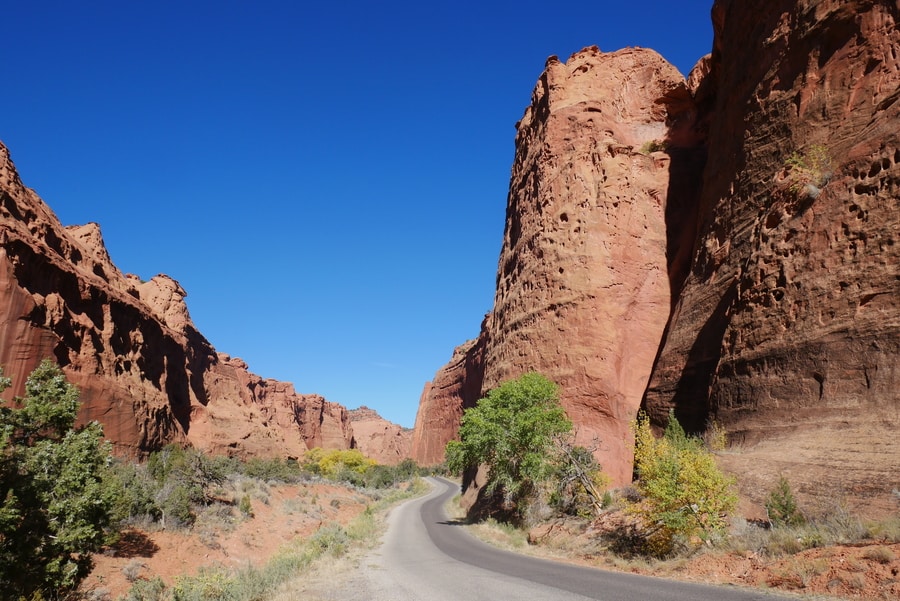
(685, 493)
(272, 470)
(147, 590)
(54, 506)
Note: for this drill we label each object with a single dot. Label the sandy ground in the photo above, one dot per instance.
(870, 572)
(224, 537)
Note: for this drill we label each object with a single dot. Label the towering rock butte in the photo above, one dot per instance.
(753, 268)
(143, 369)
(583, 287)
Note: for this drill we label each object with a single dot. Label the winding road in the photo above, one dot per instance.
(426, 557)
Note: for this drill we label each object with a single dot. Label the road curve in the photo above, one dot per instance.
(426, 557)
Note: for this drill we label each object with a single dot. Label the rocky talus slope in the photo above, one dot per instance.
(144, 370)
(724, 246)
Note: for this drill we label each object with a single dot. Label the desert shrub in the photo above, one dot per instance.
(685, 494)
(245, 507)
(654, 146)
(879, 554)
(54, 507)
(148, 590)
(331, 540)
(782, 507)
(808, 170)
(512, 432)
(272, 469)
(135, 492)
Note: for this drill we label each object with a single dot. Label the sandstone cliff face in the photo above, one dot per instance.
(385, 442)
(143, 369)
(583, 283)
(771, 223)
(788, 327)
(456, 387)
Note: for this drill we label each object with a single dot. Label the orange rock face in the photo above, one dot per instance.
(456, 387)
(788, 327)
(385, 442)
(771, 223)
(143, 369)
(583, 288)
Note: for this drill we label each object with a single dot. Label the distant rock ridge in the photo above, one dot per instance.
(379, 439)
(725, 246)
(143, 369)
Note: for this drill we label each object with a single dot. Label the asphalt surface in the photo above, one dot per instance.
(427, 557)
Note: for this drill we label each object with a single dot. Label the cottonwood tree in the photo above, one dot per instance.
(512, 432)
(54, 506)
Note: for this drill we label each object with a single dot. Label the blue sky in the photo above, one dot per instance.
(327, 181)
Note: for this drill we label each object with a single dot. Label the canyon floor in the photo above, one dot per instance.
(282, 512)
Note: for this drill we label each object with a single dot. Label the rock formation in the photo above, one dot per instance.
(385, 442)
(753, 266)
(583, 290)
(788, 326)
(456, 387)
(143, 369)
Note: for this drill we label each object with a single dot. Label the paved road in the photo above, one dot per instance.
(425, 557)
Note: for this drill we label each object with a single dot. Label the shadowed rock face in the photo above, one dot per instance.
(788, 326)
(769, 228)
(144, 371)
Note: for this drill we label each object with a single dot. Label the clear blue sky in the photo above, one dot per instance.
(327, 180)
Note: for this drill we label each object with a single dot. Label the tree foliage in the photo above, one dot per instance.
(53, 504)
(512, 432)
(685, 492)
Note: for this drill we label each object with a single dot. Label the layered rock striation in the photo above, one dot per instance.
(143, 369)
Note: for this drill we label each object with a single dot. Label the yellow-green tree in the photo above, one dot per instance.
(685, 492)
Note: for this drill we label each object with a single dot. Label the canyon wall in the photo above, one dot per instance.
(749, 260)
(583, 282)
(787, 329)
(143, 369)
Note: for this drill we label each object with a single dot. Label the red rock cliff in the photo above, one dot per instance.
(787, 330)
(456, 387)
(583, 290)
(144, 370)
(771, 222)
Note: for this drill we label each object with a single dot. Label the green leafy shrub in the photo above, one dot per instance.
(54, 506)
(685, 495)
(512, 432)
